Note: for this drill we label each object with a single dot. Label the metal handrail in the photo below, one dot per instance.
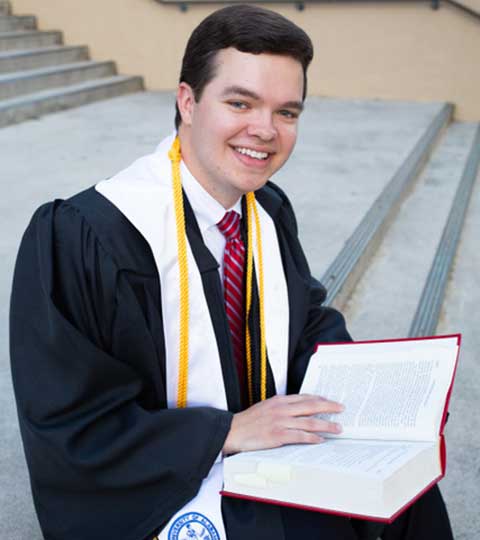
(301, 4)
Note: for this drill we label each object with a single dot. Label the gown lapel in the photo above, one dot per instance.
(212, 287)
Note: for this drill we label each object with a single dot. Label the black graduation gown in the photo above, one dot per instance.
(106, 458)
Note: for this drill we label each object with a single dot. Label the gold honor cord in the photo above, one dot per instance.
(263, 345)
(248, 288)
(175, 157)
(252, 209)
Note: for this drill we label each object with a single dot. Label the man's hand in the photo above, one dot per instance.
(281, 420)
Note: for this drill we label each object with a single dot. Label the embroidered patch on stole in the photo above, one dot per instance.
(193, 526)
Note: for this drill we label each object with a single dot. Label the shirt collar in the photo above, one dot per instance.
(208, 211)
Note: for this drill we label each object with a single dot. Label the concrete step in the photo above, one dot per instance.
(349, 265)
(429, 306)
(29, 39)
(11, 61)
(10, 23)
(27, 82)
(359, 156)
(34, 105)
(385, 299)
(5, 7)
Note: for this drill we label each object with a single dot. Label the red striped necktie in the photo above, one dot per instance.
(233, 265)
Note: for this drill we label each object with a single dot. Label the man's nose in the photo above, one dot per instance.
(263, 127)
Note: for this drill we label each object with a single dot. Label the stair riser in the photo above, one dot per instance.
(22, 87)
(14, 115)
(10, 24)
(38, 60)
(5, 8)
(30, 42)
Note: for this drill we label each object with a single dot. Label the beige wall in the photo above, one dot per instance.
(385, 50)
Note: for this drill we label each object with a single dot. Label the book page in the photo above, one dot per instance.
(389, 391)
(367, 457)
(356, 477)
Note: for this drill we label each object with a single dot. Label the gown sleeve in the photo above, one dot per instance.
(101, 464)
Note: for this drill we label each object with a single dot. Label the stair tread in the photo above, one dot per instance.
(15, 53)
(28, 33)
(48, 70)
(64, 90)
(7, 17)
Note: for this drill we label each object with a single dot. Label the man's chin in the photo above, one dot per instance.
(248, 185)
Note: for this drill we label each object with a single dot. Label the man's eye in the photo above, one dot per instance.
(237, 104)
(288, 114)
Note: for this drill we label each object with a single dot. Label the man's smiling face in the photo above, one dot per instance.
(244, 127)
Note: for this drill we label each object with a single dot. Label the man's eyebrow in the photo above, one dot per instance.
(240, 90)
(293, 105)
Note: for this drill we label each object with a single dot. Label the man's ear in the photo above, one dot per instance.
(185, 102)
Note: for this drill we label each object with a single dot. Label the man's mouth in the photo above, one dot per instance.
(251, 153)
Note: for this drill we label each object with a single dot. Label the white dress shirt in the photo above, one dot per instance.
(208, 212)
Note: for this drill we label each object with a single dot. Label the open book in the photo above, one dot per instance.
(391, 450)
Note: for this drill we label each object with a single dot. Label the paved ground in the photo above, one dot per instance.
(346, 153)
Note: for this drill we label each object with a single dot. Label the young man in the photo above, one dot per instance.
(153, 331)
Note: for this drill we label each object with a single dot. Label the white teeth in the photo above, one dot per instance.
(252, 153)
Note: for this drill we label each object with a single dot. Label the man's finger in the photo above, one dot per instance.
(294, 398)
(309, 407)
(313, 424)
(298, 436)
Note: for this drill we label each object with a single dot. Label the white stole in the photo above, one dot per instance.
(143, 193)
